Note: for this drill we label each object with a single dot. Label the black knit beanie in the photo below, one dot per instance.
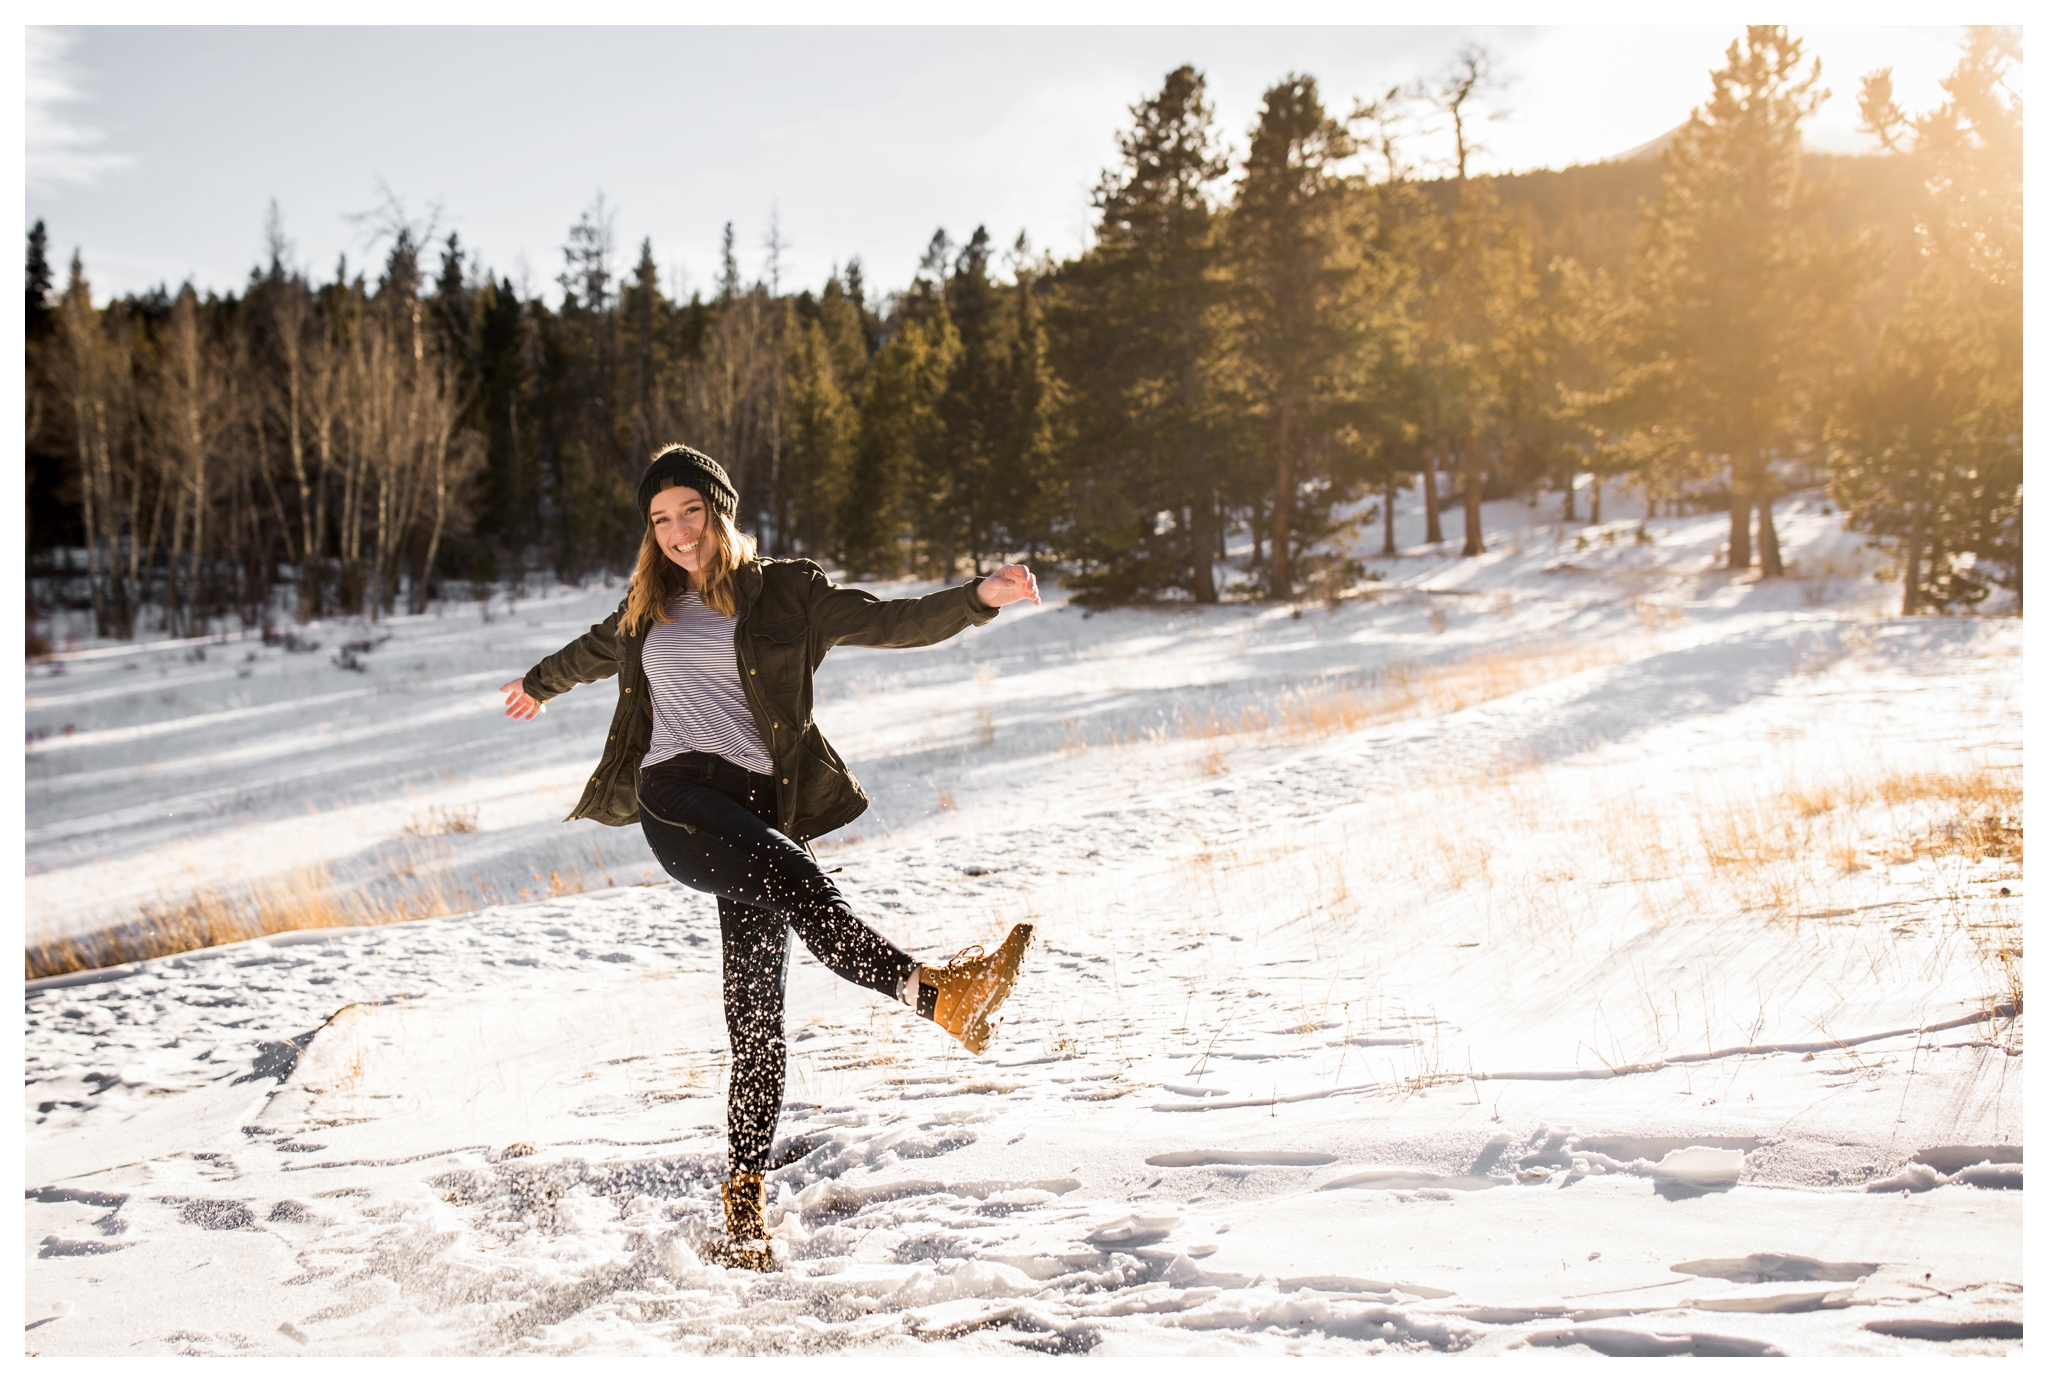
(687, 466)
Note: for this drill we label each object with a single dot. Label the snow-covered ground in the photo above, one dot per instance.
(1567, 949)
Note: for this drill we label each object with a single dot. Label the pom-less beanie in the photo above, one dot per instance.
(688, 466)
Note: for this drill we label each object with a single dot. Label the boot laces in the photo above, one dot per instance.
(972, 952)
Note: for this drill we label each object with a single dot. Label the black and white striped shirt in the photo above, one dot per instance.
(693, 680)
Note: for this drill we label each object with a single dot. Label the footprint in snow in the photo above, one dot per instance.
(1210, 1157)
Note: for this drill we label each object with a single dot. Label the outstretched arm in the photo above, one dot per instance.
(591, 657)
(842, 614)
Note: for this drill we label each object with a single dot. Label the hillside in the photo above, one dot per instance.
(1572, 948)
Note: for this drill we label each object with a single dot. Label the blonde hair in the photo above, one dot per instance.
(657, 579)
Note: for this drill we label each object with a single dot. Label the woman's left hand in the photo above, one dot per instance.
(1008, 585)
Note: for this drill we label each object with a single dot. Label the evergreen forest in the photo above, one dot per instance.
(1278, 335)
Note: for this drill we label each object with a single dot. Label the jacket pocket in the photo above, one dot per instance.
(827, 795)
(778, 664)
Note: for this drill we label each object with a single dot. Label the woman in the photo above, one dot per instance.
(712, 750)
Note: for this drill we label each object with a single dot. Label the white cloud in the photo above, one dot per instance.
(61, 151)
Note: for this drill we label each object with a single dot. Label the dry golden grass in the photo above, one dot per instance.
(1633, 837)
(1747, 836)
(1808, 802)
(1776, 851)
(2008, 961)
(1404, 691)
(1847, 859)
(442, 820)
(305, 900)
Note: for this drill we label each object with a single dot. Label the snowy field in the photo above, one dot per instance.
(1568, 950)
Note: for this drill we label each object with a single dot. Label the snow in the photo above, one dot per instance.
(1533, 954)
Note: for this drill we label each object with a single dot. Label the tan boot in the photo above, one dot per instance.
(746, 1223)
(973, 985)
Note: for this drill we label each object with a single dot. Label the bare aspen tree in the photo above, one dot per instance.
(189, 394)
(1469, 83)
(733, 396)
(321, 396)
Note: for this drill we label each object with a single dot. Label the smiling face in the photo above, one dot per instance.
(679, 517)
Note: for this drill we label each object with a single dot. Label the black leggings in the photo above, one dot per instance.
(711, 824)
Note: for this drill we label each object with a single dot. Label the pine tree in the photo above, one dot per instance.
(1024, 479)
(895, 485)
(509, 495)
(729, 285)
(50, 522)
(1740, 281)
(871, 328)
(842, 317)
(647, 412)
(1395, 417)
(1297, 278)
(820, 441)
(1138, 328)
(76, 366)
(39, 281)
(1479, 288)
(972, 410)
(1931, 443)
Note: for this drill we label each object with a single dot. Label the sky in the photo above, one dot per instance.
(156, 152)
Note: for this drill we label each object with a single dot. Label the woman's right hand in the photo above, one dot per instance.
(519, 705)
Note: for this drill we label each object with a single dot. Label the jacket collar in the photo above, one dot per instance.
(747, 581)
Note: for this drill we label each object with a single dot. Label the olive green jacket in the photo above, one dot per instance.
(789, 617)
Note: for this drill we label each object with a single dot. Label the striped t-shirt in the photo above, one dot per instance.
(693, 681)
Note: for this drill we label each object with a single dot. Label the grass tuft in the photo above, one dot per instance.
(442, 820)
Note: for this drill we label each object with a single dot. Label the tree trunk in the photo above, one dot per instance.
(90, 515)
(122, 613)
(284, 527)
(1936, 559)
(1387, 547)
(312, 598)
(1474, 544)
(295, 444)
(1432, 510)
(381, 553)
(174, 592)
(1595, 519)
(149, 541)
(1571, 497)
(195, 587)
(2019, 574)
(1201, 543)
(419, 600)
(1738, 518)
(1767, 538)
(1280, 566)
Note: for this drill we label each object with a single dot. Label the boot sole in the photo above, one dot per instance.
(1009, 958)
